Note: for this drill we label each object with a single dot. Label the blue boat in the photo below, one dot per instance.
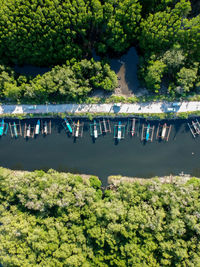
(147, 133)
(2, 127)
(68, 125)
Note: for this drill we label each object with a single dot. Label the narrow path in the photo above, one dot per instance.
(151, 107)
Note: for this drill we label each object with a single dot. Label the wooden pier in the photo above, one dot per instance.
(15, 129)
(46, 127)
(77, 130)
(105, 125)
(95, 129)
(147, 132)
(29, 131)
(194, 128)
(163, 132)
(131, 127)
(119, 131)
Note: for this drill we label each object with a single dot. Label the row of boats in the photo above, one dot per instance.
(103, 126)
(97, 127)
(29, 129)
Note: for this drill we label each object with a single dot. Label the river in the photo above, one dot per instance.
(104, 157)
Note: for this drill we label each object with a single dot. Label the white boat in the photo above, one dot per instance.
(95, 130)
(119, 132)
(164, 129)
(77, 129)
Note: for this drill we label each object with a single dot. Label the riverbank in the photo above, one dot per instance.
(115, 180)
(170, 179)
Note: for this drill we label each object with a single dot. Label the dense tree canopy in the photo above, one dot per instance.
(62, 83)
(50, 32)
(170, 33)
(58, 219)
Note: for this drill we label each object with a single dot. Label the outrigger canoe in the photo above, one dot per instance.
(77, 129)
(147, 133)
(119, 132)
(37, 128)
(68, 125)
(164, 129)
(95, 130)
(2, 124)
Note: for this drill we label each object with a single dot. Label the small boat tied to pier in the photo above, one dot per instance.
(15, 129)
(29, 131)
(95, 129)
(46, 127)
(37, 128)
(3, 128)
(131, 127)
(194, 127)
(147, 132)
(78, 129)
(68, 125)
(163, 131)
(119, 131)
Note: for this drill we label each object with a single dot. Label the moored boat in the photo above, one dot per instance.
(95, 130)
(77, 129)
(119, 132)
(68, 125)
(164, 129)
(37, 127)
(147, 132)
(2, 124)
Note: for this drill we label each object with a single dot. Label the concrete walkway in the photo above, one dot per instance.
(151, 107)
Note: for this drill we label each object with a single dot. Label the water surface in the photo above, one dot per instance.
(104, 157)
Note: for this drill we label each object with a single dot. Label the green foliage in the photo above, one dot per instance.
(154, 75)
(186, 78)
(50, 32)
(174, 59)
(59, 219)
(95, 182)
(62, 83)
(167, 35)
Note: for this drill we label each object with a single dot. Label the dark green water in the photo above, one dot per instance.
(129, 157)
